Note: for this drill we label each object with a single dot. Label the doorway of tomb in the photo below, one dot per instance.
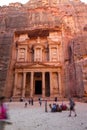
(38, 87)
(47, 84)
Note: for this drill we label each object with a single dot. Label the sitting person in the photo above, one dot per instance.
(58, 108)
(55, 108)
(52, 107)
(64, 107)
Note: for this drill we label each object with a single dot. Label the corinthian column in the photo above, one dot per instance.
(31, 92)
(51, 86)
(60, 87)
(43, 84)
(24, 84)
(15, 84)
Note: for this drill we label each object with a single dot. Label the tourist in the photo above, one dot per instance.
(55, 99)
(11, 99)
(29, 101)
(72, 107)
(3, 109)
(25, 103)
(63, 106)
(21, 99)
(40, 101)
(53, 107)
(32, 101)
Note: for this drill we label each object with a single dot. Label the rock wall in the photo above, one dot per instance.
(5, 57)
(68, 16)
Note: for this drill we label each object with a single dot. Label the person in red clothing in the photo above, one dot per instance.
(3, 109)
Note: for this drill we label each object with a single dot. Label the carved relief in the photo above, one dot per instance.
(23, 37)
(54, 36)
(54, 54)
(69, 21)
(38, 54)
(21, 54)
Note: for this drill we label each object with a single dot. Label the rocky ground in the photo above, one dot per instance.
(35, 118)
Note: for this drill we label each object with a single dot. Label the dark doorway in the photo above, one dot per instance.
(38, 87)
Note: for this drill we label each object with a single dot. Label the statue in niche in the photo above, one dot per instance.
(38, 54)
(54, 54)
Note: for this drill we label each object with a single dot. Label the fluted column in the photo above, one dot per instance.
(51, 86)
(43, 84)
(32, 91)
(15, 84)
(24, 84)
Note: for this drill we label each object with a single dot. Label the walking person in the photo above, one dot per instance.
(72, 107)
(3, 114)
(3, 109)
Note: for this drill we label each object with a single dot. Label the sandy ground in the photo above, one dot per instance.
(35, 118)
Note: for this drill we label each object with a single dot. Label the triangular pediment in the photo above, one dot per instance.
(39, 65)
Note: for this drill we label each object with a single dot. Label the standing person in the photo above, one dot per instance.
(72, 107)
(32, 101)
(55, 99)
(40, 101)
(29, 101)
(11, 99)
(26, 103)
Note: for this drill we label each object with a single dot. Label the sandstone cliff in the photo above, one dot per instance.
(37, 15)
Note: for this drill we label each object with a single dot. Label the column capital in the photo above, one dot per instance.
(15, 84)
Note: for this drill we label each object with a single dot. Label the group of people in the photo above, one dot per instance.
(31, 101)
(55, 107)
(58, 108)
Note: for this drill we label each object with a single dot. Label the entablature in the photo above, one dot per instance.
(37, 65)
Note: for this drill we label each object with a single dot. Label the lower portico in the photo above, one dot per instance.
(44, 82)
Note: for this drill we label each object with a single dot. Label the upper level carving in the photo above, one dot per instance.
(38, 49)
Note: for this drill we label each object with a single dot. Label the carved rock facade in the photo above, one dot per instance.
(43, 49)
